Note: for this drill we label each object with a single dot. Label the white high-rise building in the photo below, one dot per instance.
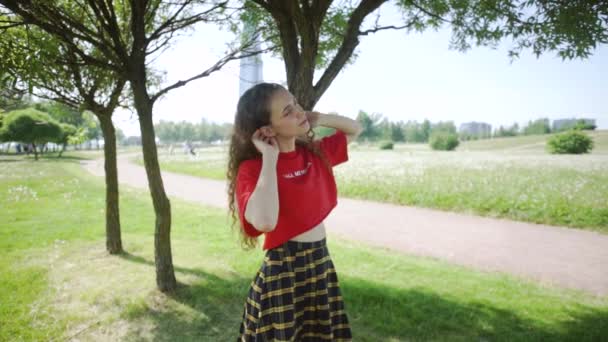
(251, 67)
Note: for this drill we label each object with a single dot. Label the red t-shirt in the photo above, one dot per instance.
(307, 189)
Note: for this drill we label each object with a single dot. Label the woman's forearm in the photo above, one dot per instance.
(347, 125)
(262, 209)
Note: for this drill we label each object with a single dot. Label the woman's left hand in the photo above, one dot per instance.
(313, 118)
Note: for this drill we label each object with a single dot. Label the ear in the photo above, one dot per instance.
(268, 131)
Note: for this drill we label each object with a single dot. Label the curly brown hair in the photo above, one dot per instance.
(253, 112)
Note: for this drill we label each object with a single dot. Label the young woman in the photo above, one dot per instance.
(282, 186)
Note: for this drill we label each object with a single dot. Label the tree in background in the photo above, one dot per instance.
(30, 126)
(68, 134)
(120, 136)
(178, 132)
(584, 125)
(370, 124)
(538, 126)
(397, 131)
(444, 126)
(510, 131)
(61, 112)
(413, 132)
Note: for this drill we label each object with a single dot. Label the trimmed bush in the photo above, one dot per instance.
(571, 142)
(30, 126)
(443, 141)
(386, 145)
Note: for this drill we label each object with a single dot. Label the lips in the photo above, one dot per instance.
(303, 123)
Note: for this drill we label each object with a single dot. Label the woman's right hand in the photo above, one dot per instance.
(268, 146)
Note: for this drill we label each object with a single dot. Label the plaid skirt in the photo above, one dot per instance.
(295, 296)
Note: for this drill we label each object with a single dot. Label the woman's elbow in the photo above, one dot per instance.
(264, 226)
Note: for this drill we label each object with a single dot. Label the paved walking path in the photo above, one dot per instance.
(564, 257)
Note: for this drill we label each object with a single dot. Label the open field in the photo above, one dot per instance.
(509, 177)
(57, 282)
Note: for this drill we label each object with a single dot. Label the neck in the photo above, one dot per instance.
(287, 144)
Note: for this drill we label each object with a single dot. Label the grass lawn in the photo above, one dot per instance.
(512, 178)
(58, 283)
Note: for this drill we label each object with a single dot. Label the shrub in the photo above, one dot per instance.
(30, 126)
(583, 125)
(573, 142)
(443, 141)
(386, 145)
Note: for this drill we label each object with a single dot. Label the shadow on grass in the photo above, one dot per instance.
(47, 157)
(64, 158)
(377, 313)
(8, 160)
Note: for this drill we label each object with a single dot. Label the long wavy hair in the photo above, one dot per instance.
(253, 112)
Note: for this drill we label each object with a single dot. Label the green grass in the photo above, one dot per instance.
(58, 283)
(208, 163)
(512, 178)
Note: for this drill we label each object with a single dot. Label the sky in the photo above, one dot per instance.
(403, 76)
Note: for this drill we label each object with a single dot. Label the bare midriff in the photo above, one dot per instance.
(315, 234)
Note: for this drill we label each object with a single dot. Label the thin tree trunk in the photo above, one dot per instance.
(113, 235)
(165, 275)
(35, 152)
(62, 150)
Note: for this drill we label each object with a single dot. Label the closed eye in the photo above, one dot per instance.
(287, 110)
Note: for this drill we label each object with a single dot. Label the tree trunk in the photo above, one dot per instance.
(113, 236)
(35, 152)
(303, 92)
(165, 275)
(62, 150)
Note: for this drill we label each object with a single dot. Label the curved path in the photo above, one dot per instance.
(552, 255)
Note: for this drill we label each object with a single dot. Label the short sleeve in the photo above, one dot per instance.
(246, 180)
(335, 147)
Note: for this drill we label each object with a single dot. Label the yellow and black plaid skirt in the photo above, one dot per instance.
(295, 296)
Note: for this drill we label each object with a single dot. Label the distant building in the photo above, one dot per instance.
(476, 129)
(251, 67)
(563, 124)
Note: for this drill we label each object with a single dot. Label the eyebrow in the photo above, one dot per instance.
(293, 100)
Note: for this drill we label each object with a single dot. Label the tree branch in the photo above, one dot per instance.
(234, 55)
(429, 13)
(349, 43)
(391, 27)
(173, 24)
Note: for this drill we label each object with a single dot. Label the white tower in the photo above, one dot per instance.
(251, 67)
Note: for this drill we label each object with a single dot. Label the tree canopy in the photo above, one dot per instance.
(321, 36)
